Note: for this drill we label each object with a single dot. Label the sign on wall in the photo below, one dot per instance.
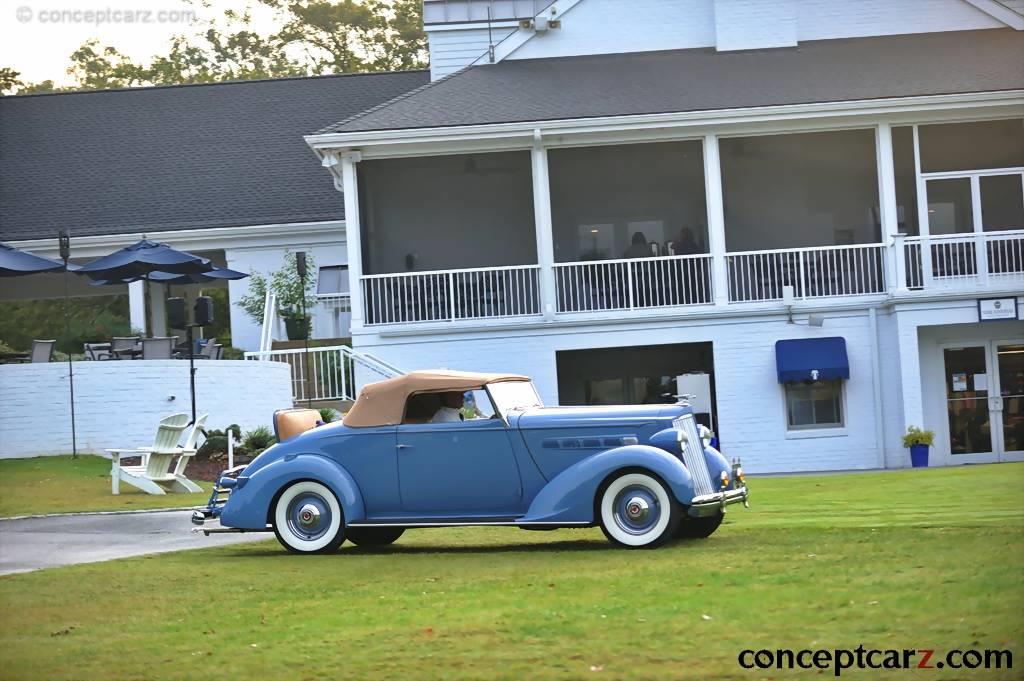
(996, 309)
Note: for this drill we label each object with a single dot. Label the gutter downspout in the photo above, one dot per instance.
(876, 385)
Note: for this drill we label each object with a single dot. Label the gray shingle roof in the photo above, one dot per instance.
(185, 157)
(701, 79)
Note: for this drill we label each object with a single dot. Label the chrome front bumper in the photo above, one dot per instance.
(710, 504)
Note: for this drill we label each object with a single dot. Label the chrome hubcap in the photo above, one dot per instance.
(637, 509)
(309, 516)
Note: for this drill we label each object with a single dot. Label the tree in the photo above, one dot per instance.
(316, 37)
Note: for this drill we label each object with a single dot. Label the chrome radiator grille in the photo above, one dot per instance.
(693, 455)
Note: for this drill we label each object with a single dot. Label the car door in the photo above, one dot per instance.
(458, 470)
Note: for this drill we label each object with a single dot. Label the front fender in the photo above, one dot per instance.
(248, 507)
(569, 496)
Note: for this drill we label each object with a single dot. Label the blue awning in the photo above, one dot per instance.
(809, 359)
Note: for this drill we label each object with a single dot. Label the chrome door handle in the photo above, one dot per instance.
(403, 446)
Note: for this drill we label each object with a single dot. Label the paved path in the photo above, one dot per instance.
(35, 543)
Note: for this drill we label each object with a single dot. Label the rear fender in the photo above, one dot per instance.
(569, 496)
(249, 506)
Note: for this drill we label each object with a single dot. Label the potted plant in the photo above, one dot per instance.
(918, 441)
(287, 286)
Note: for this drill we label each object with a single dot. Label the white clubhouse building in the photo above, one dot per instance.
(816, 204)
(605, 195)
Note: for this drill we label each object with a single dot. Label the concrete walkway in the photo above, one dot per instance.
(34, 543)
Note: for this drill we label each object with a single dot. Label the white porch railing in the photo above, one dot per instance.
(812, 272)
(951, 260)
(331, 372)
(629, 284)
(450, 295)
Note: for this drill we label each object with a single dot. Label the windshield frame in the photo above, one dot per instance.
(506, 401)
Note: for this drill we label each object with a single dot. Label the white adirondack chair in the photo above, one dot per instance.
(154, 476)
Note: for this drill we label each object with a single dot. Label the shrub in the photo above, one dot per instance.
(327, 414)
(916, 436)
(258, 439)
(285, 282)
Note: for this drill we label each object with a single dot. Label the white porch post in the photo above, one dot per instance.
(716, 220)
(910, 371)
(158, 308)
(137, 305)
(922, 215)
(888, 214)
(353, 235)
(542, 225)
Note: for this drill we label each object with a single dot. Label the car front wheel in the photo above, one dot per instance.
(373, 536)
(308, 518)
(638, 511)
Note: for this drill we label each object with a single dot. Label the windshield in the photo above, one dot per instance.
(511, 395)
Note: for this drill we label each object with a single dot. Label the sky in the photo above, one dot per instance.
(37, 37)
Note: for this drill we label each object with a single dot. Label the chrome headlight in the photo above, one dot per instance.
(705, 434)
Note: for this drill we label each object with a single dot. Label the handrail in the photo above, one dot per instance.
(455, 271)
(618, 261)
(804, 249)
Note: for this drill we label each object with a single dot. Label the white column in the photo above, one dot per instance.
(910, 371)
(888, 213)
(353, 235)
(922, 215)
(716, 220)
(137, 305)
(542, 225)
(158, 308)
(980, 248)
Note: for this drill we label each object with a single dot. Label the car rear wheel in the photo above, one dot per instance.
(373, 536)
(699, 528)
(638, 511)
(308, 518)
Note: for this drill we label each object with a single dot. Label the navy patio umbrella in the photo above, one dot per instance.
(16, 263)
(141, 259)
(216, 274)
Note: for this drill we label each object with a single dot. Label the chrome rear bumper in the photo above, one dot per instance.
(710, 504)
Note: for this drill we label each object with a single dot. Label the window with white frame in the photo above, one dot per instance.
(332, 280)
(814, 405)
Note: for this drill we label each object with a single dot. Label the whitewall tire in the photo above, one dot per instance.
(638, 511)
(308, 518)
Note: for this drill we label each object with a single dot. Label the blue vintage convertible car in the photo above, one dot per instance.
(445, 448)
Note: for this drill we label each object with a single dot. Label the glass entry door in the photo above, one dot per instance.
(1010, 377)
(985, 401)
(967, 404)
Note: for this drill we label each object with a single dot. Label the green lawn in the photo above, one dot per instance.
(59, 484)
(911, 559)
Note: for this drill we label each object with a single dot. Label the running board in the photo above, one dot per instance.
(472, 523)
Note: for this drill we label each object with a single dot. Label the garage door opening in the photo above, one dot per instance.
(643, 374)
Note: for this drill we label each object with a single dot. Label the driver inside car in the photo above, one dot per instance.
(450, 409)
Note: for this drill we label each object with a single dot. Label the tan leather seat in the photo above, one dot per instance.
(291, 422)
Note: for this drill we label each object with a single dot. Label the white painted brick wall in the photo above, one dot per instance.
(750, 399)
(118, 403)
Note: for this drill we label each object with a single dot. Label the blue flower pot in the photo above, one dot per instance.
(919, 456)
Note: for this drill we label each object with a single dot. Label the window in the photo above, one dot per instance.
(332, 279)
(981, 145)
(814, 405)
(604, 197)
(800, 190)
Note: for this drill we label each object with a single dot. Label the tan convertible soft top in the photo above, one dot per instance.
(383, 403)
